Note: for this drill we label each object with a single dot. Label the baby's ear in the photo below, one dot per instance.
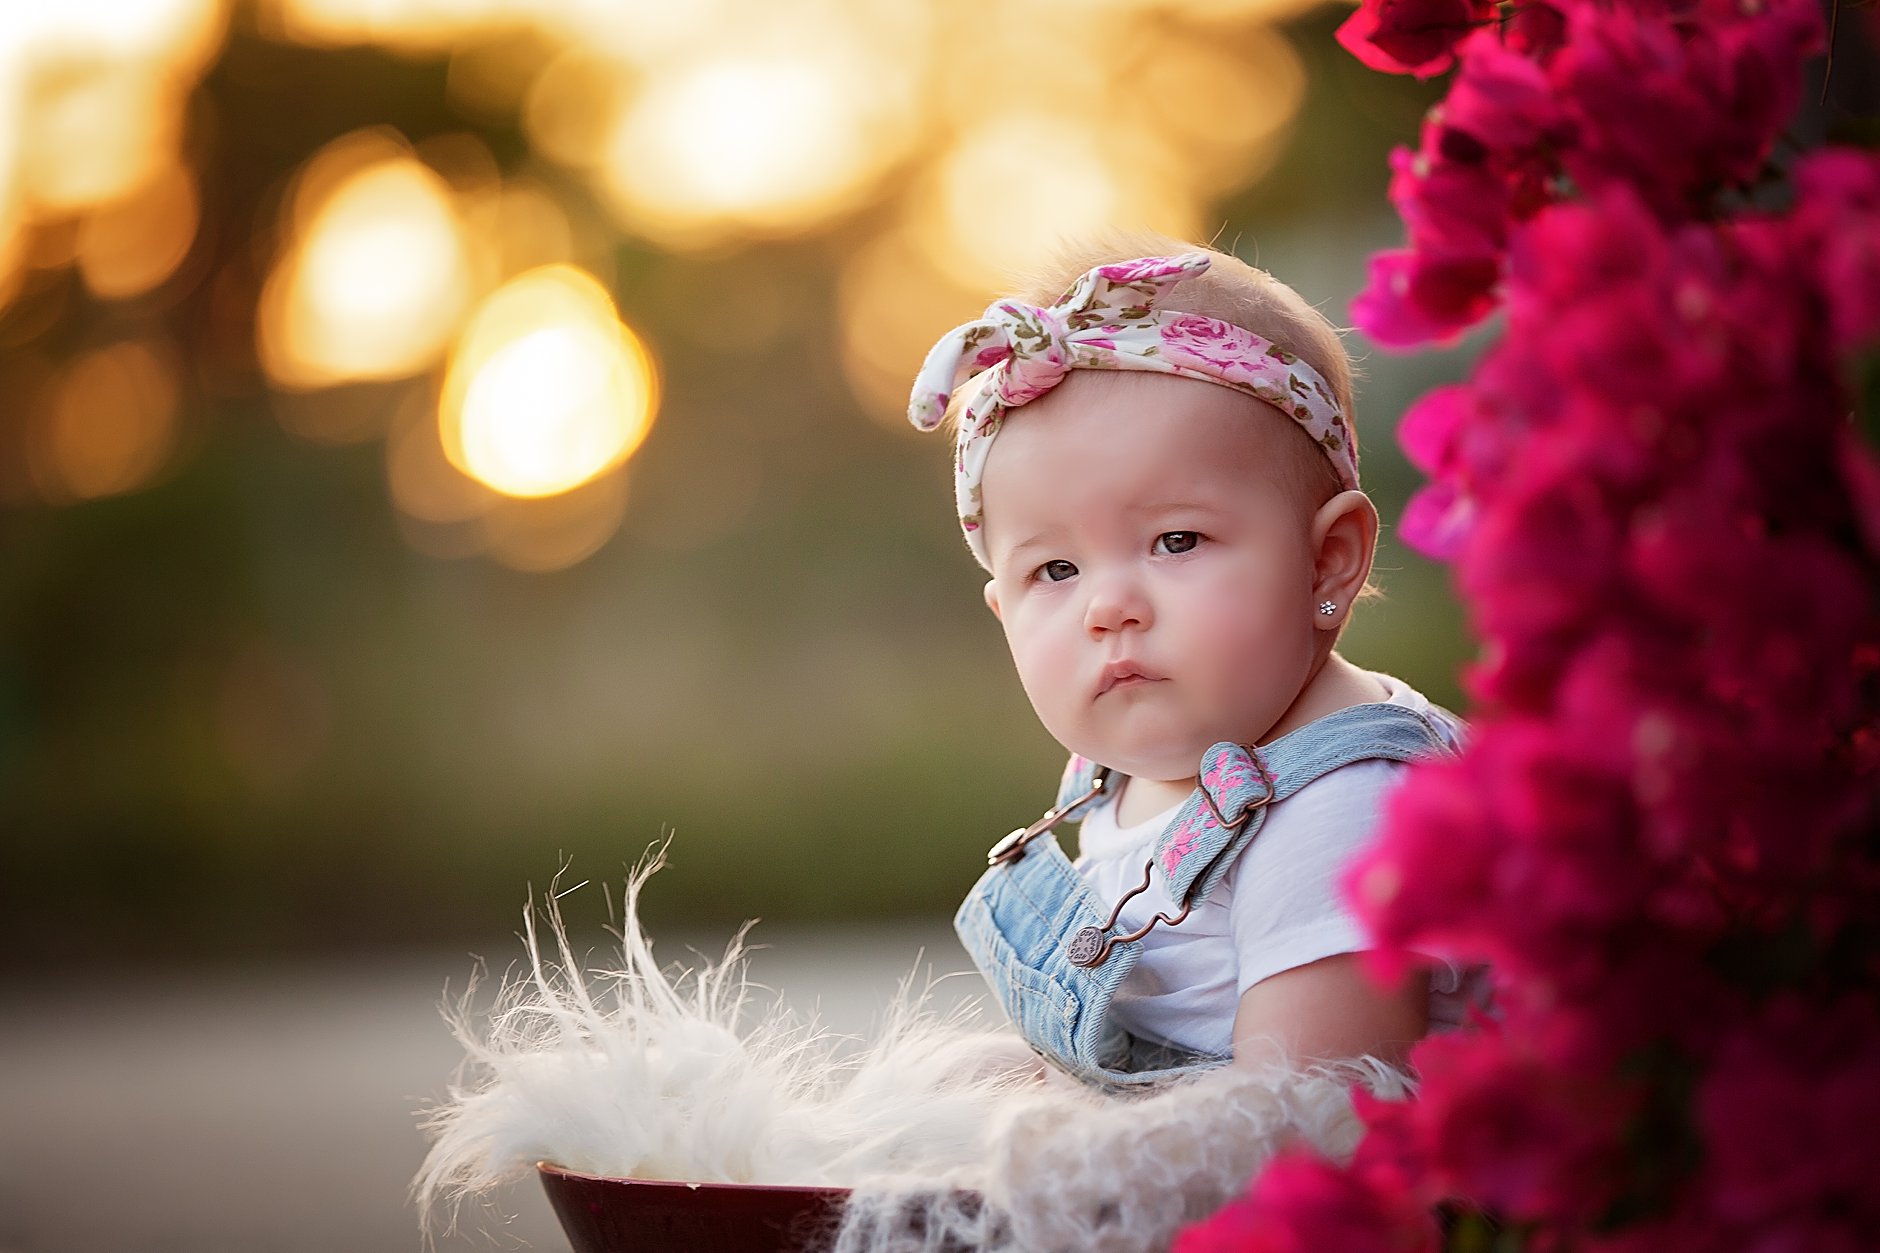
(1344, 533)
(992, 598)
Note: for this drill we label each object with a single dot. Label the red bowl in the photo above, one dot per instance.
(604, 1215)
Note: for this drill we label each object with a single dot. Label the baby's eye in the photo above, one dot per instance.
(1055, 571)
(1175, 543)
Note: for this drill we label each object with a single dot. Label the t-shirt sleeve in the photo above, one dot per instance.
(1284, 897)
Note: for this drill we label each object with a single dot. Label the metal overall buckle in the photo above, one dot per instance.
(1091, 946)
(1012, 847)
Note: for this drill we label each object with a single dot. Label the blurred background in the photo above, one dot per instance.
(441, 436)
(444, 439)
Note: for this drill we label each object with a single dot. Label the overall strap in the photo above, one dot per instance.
(1079, 774)
(1238, 782)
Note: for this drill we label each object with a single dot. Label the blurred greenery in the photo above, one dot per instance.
(239, 713)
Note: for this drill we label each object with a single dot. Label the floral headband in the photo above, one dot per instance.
(1109, 321)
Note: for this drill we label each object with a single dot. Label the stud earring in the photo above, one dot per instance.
(1328, 608)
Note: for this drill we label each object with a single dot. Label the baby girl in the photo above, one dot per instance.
(1159, 473)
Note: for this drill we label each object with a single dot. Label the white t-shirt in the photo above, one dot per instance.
(1279, 906)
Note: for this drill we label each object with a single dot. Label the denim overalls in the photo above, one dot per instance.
(1051, 950)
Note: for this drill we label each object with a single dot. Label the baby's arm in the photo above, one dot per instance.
(1304, 990)
(1330, 1009)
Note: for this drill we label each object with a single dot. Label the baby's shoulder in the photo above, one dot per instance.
(1328, 819)
(1448, 727)
(1351, 791)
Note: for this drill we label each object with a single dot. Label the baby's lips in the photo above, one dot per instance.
(1117, 672)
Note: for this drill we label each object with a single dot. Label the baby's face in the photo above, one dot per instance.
(1152, 572)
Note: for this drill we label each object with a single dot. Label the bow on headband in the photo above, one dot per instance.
(1109, 320)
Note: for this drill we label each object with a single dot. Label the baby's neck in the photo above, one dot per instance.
(1334, 686)
(1143, 799)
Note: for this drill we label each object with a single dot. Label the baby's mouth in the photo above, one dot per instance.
(1117, 674)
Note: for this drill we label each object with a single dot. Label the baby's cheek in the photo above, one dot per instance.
(1235, 621)
(1041, 672)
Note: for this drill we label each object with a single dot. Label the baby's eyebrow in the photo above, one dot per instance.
(1175, 506)
(1035, 539)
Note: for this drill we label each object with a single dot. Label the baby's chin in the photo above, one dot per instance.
(1149, 744)
(1165, 766)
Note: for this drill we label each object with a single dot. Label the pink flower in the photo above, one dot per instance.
(1196, 340)
(1537, 29)
(1717, 90)
(1437, 521)
(1790, 1115)
(1040, 355)
(1860, 472)
(1413, 298)
(1502, 99)
(1410, 36)
(1839, 199)
(1451, 207)
(1514, 1134)
(1135, 271)
(928, 410)
(1432, 429)
(1303, 1204)
(1434, 434)
(1661, 833)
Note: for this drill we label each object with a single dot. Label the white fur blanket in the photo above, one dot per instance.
(633, 1072)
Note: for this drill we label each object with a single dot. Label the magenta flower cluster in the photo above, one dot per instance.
(1664, 835)
(1673, 102)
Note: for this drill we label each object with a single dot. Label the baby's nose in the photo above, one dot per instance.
(1116, 605)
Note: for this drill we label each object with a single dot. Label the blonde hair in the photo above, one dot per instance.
(1234, 292)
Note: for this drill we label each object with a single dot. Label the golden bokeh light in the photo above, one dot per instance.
(547, 388)
(653, 32)
(571, 108)
(744, 145)
(112, 423)
(991, 70)
(13, 220)
(92, 99)
(412, 26)
(445, 513)
(12, 248)
(127, 248)
(1237, 13)
(982, 135)
(373, 283)
(515, 225)
(1011, 191)
(182, 34)
(528, 228)
(542, 413)
(95, 132)
(1224, 107)
(894, 302)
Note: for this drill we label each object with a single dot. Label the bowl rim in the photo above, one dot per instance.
(546, 1167)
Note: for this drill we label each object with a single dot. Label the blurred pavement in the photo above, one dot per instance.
(271, 1110)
